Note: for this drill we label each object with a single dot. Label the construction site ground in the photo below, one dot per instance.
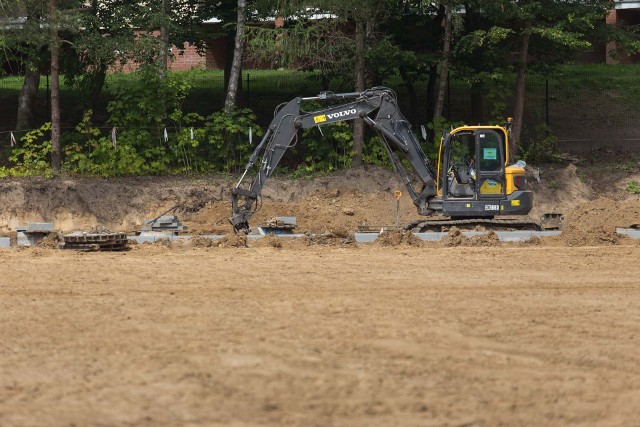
(319, 331)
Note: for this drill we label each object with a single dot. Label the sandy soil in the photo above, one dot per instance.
(460, 336)
(318, 331)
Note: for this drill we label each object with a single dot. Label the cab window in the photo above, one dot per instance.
(462, 148)
(490, 152)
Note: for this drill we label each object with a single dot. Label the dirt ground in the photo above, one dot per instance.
(318, 331)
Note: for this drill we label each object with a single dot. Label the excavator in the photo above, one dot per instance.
(472, 183)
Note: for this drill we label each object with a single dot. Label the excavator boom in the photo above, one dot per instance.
(378, 108)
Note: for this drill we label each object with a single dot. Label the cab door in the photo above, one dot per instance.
(490, 160)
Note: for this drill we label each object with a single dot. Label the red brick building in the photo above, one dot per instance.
(625, 13)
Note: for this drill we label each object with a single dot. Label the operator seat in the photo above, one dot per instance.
(461, 184)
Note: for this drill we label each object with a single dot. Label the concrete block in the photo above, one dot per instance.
(22, 239)
(40, 227)
(5, 242)
(287, 220)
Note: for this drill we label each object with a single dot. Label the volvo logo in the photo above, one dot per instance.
(341, 113)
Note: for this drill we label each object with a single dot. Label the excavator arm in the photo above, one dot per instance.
(378, 108)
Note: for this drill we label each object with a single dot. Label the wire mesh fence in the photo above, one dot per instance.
(584, 107)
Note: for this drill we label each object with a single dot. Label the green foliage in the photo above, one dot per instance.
(225, 141)
(441, 125)
(193, 144)
(331, 150)
(540, 148)
(32, 155)
(633, 187)
(89, 153)
(216, 143)
(149, 99)
(478, 39)
(375, 153)
(323, 149)
(139, 113)
(385, 58)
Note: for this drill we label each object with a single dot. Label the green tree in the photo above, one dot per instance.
(236, 65)
(26, 45)
(413, 48)
(545, 32)
(363, 18)
(342, 39)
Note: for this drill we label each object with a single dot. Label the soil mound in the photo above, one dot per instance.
(338, 237)
(233, 241)
(269, 241)
(489, 239)
(397, 238)
(595, 222)
(51, 240)
(202, 242)
(454, 238)
(121, 204)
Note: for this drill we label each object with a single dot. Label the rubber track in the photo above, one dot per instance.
(519, 224)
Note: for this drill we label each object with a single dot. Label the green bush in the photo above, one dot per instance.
(132, 153)
(226, 143)
(32, 156)
(541, 147)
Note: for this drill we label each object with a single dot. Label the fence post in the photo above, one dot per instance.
(546, 101)
(248, 91)
(48, 98)
(448, 96)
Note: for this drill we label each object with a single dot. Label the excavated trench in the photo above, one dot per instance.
(336, 204)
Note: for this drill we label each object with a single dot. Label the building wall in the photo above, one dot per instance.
(187, 58)
(625, 14)
(215, 53)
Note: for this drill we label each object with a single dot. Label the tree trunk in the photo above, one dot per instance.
(518, 109)
(56, 154)
(358, 124)
(100, 75)
(164, 37)
(27, 99)
(444, 64)
(236, 66)
(229, 47)
(97, 83)
(413, 96)
(431, 92)
(477, 103)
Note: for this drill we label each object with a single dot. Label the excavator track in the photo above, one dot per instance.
(500, 224)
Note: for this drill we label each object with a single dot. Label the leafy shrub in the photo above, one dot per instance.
(542, 148)
(324, 149)
(32, 155)
(148, 100)
(226, 142)
(86, 152)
